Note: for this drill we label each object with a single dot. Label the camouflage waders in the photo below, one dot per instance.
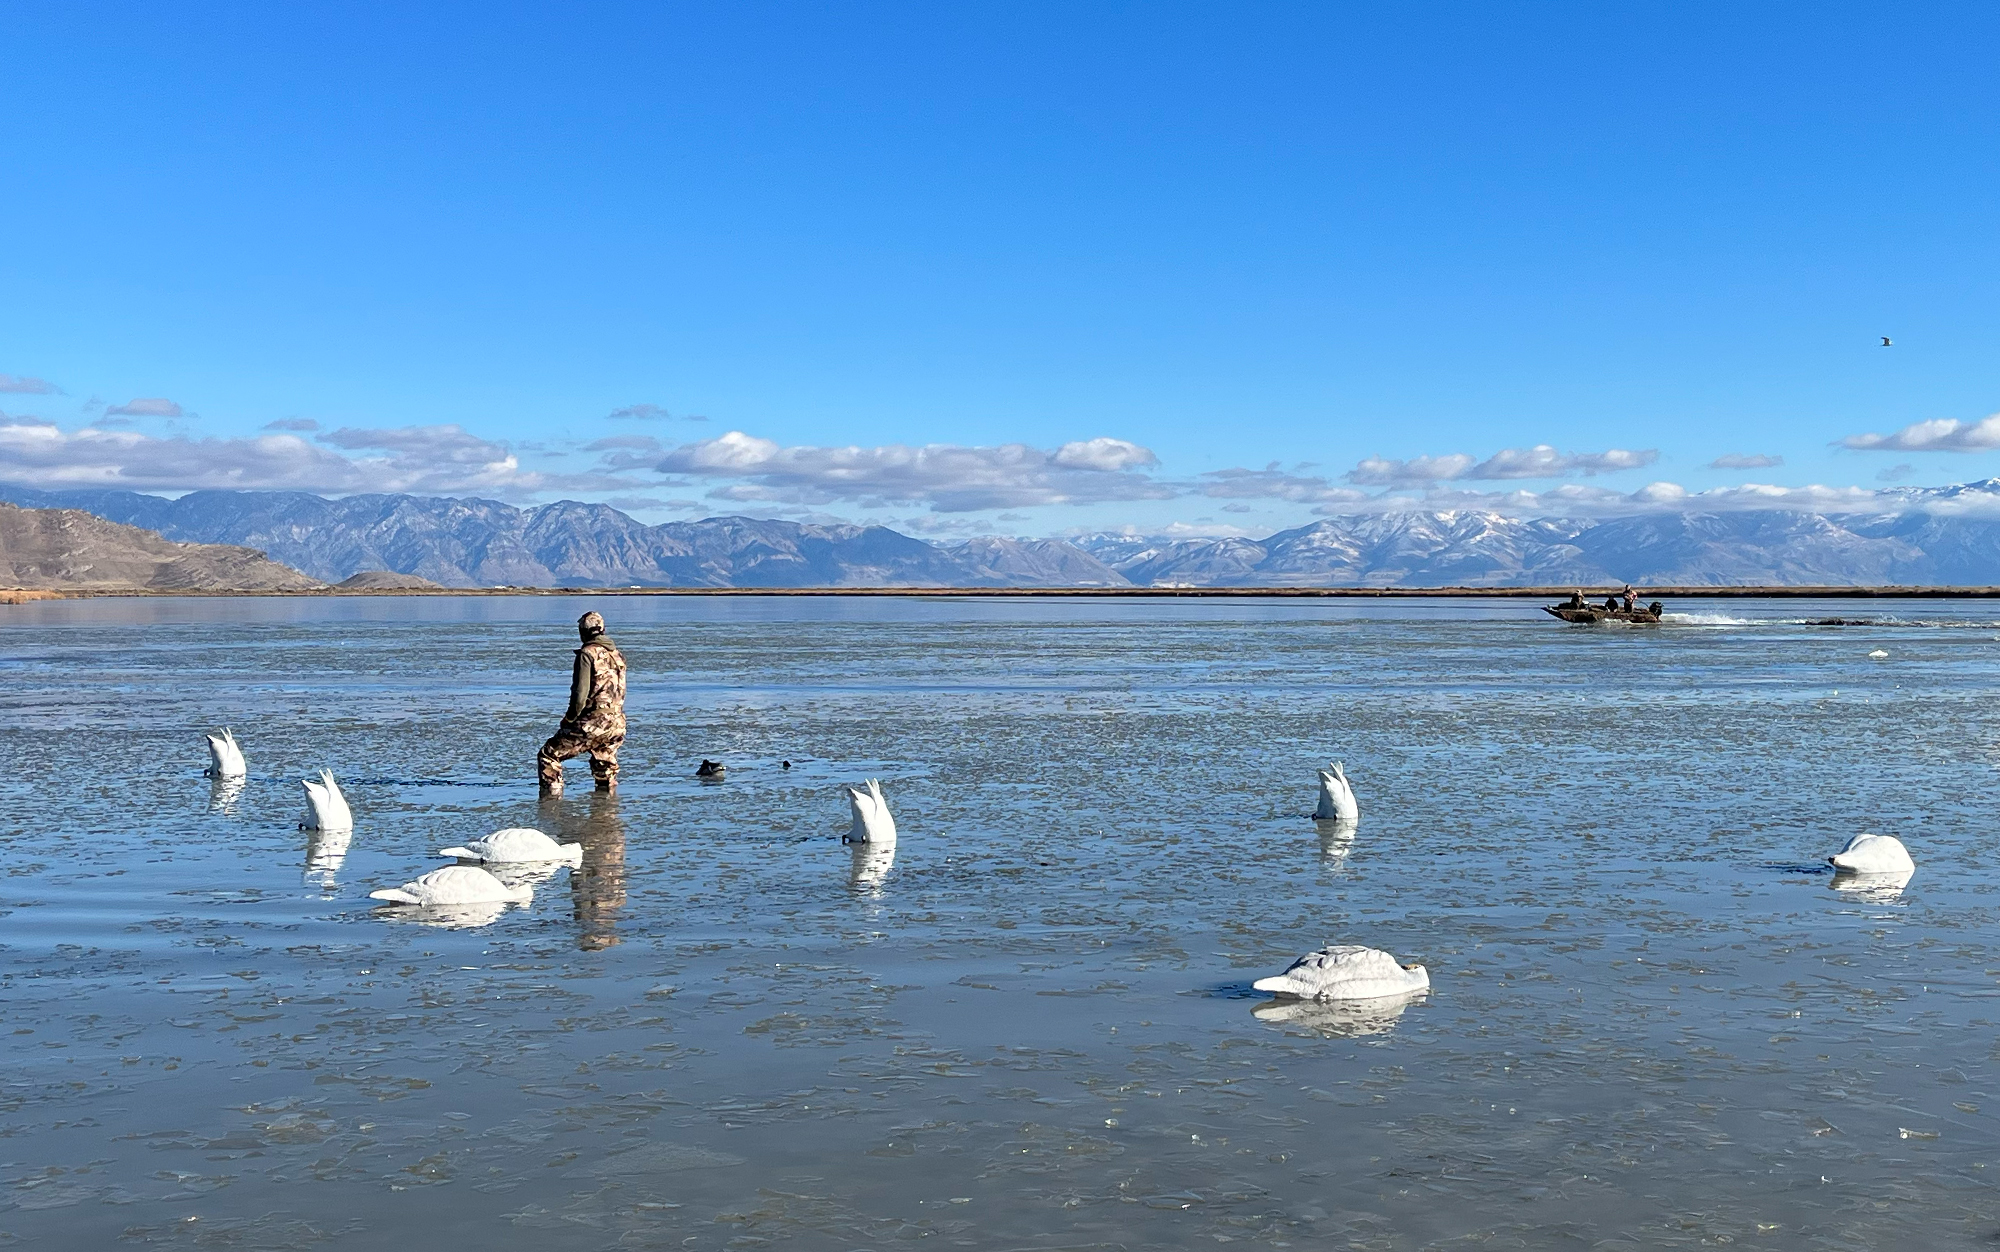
(596, 720)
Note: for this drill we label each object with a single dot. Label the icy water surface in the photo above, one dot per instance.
(1654, 1021)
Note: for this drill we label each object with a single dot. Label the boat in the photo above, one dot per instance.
(1592, 614)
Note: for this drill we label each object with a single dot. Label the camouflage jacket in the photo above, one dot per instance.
(597, 689)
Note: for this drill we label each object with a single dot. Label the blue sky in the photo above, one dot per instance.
(1169, 266)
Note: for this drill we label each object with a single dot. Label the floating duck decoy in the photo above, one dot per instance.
(711, 769)
(785, 764)
(872, 822)
(225, 758)
(1873, 854)
(1336, 798)
(453, 885)
(516, 843)
(326, 808)
(1346, 971)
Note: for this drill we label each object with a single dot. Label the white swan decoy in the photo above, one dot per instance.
(516, 843)
(1336, 798)
(1336, 1019)
(872, 822)
(225, 758)
(326, 808)
(1346, 971)
(455, 885)
(1873, 854)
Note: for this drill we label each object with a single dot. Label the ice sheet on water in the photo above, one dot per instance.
(1604, 850)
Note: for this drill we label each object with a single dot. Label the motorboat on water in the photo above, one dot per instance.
(1593, 614)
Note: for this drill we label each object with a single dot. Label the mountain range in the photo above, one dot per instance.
(1941, 536)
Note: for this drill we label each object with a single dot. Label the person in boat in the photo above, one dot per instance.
(1631, 598)
(1611, 604)
(1575, 600)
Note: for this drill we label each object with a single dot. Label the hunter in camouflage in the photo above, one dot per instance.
(595, 722)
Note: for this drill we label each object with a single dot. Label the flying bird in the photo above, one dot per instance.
(1886, 343)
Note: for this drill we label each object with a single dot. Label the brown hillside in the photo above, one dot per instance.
(65, 550)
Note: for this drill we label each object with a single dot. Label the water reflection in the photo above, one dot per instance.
(1874, 888)
(223, 793)
(445, 916)
(1336, 1019)
(872, 863)
(523, 873)
(1336, 840)
(597, 886)
(325, 851)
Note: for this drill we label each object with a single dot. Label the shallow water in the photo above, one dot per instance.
(1654, 1021)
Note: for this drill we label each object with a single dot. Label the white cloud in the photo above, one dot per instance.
(949, 478)
(645, 504)
(1543, 461)
(15, 384)
(155, 406)
(650, 413)
(1109, 455)
(1271, 483)
(1944, 434)
(1743, 461)
(1171, 532)
(626, 452)
(437, 459)
(292, 424)
(1416, 472)
(1540, 461)
(1583, 500)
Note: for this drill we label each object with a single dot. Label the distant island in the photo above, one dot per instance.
(1940, 537)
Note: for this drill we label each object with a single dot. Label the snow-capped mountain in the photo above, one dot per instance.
(1947, 535)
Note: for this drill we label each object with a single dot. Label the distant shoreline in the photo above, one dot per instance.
(1086, 593)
